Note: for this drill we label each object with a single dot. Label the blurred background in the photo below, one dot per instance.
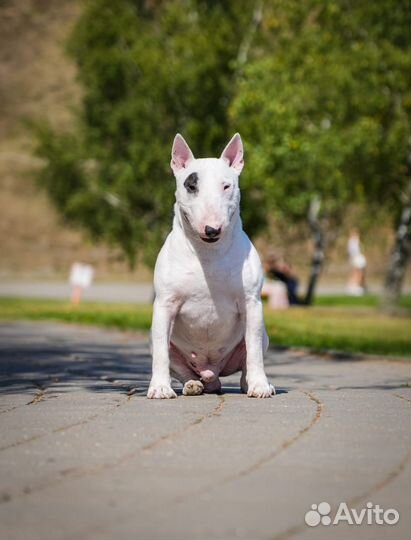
(92, 93)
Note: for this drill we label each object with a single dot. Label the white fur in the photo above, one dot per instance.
(207, 295)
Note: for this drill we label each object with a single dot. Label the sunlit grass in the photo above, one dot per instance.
(342, 329)
(368, 300)
(336, 326)
(123, 316)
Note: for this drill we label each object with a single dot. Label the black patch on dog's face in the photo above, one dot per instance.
(190, 183)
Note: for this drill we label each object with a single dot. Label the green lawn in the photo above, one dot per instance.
(369, 300)
(331, 324)
(123, 316)
(341, 329)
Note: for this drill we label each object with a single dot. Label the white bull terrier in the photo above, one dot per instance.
(208, 317)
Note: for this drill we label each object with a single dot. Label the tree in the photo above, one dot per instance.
(148, 70)
(400, 253)
(327, 112)
(319, 90)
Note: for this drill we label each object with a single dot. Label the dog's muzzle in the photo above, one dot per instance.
(212, 234)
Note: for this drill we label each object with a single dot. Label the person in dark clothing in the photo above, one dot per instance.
(279, 269)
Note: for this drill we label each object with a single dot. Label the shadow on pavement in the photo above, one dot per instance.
(40, 357)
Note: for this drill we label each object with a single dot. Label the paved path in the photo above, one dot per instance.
(83, 454)
(129, 293)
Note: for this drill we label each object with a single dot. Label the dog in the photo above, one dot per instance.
(207, 314)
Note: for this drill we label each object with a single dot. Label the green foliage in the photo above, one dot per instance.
(327, 112)
(323, 102)
(148, 70)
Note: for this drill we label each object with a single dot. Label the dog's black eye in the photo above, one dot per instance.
(226, 187)
(190, 183)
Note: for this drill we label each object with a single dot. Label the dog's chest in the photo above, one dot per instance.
(209, 317)
(204, 307)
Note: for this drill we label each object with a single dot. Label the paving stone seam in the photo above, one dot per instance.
(319, 406)
(357, 499)
(80, 473)
(215, 412)
(61, 429)
(402, 397)
(286, 444)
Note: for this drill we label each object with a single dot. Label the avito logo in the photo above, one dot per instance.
(370, 515)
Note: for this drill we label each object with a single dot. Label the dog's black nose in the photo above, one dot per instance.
(211, 232)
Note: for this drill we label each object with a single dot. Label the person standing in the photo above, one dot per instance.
(358, 262)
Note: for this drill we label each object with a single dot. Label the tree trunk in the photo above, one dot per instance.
(319, 249)
(400, 254)
(245, 45)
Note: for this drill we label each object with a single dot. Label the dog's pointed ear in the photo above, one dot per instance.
(181, 155)
(233, 153)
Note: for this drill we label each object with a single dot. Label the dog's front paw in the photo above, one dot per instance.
(160, 391)
(260, 389)
(193, 388)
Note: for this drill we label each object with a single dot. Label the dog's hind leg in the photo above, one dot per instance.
(192, 386)
(237, 362)
(213, 387)
(243, 381)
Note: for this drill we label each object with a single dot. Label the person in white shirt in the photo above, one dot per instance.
(358, 262)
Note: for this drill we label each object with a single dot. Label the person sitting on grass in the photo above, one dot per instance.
(277, 270)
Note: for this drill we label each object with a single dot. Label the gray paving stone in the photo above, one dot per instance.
(83, 453)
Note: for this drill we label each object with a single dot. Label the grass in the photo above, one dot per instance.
(338, 323)
(122, 316)
(369, 300)
(352, 330)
